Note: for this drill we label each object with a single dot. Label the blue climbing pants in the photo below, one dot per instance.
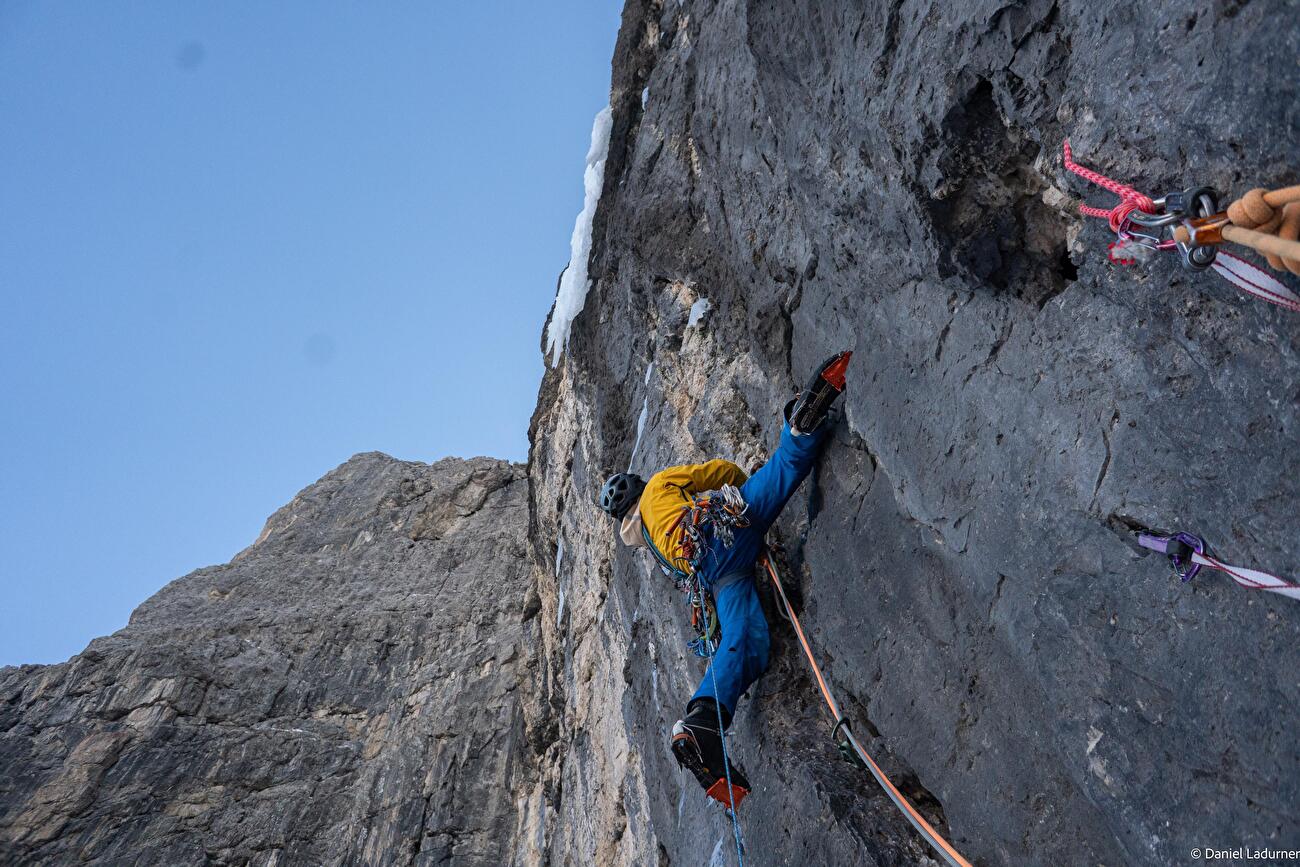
(743, 654)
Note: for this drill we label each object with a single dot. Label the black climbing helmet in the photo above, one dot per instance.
(620, 493)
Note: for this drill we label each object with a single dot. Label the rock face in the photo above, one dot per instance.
(348, 690)
(459, 664)
(887, 179)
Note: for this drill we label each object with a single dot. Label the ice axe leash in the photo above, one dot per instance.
(843, 736)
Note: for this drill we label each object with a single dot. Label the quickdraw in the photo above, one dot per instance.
(1188, 552)
(714, 515)
(704, 620)
(1190, 223)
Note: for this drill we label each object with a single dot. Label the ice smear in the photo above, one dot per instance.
(574, 284)
(654, 672)
(719, 856)
(640, 428)
(640, 422)
(559, 558)
(699, 310)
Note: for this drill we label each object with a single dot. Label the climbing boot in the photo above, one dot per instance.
(807, 411)
(697, 746)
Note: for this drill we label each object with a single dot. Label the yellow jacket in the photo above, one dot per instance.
(670, 489)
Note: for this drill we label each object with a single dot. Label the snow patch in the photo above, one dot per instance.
(699, 310)
(1097, 765)
(645, 95)
(574, 283)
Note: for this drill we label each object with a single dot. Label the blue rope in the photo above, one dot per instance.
(726, 760)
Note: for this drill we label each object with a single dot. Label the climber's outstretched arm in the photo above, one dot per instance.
(689, 479)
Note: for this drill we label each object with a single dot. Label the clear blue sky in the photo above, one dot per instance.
(239, 243)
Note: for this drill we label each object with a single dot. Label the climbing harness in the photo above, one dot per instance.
(848, 745)
(1187, 553)
(711, 515)
(704, 615)
(1191, 223)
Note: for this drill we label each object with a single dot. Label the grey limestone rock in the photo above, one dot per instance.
(886, 178)
(348, 690)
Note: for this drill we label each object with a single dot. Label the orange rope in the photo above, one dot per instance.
(1281, 250)
(803, 639)
(941, 846)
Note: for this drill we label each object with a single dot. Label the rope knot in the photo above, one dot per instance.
(1288, 230)
(1251, 211)
(1120, 212)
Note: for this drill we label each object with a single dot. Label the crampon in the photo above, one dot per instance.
(812, 404)
(698, 748)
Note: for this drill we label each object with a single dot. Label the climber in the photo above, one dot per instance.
(652, 516)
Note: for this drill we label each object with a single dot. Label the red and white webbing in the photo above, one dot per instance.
(1254, 281)
(1251, 579)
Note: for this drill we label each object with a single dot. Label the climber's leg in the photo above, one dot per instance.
(768, 489)
(742, 655)
(739, 660)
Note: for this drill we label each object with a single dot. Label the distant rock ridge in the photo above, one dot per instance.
(347, 690)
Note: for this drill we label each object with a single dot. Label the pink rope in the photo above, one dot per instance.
(1130, 199)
